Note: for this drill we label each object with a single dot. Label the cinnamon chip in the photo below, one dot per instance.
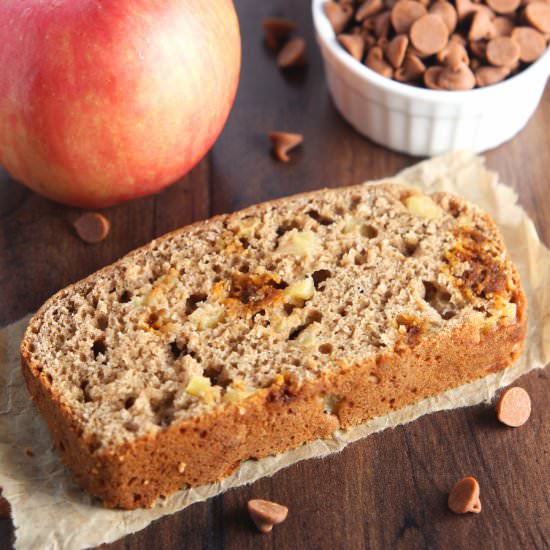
(338, 15)
(502, 51)
(503, 6)
(482, 26)
(503, 26)
(354, 44)
(92, 227)
(293, 54)
(465, 8)
(265, 514)
(368, 8)
(447, 12)
(464, 497)
(277, 30)
(431, 77)
(405, 13)
(412, 69)
(486, 76)
(538, 15)
(478, 49)
(458, 78)
(283, 143)
(453, 54)
(429, 34)
(531, 43)
(514, 407)
(395, 50)
(375, 61)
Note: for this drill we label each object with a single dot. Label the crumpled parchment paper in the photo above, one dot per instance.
(50, 511)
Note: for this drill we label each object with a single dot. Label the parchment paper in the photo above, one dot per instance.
(50, 511)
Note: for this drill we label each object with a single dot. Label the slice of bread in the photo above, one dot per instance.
(252, 333)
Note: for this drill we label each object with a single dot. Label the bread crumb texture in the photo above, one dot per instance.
(210, 315)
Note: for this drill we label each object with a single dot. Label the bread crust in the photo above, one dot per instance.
(208, 448)
(283, 416)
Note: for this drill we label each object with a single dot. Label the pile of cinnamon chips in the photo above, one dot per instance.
(439, 44)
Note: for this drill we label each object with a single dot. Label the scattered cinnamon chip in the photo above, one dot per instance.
(464, 497)
(283, 142)
(265, 514)
(29, 452)
(514, 407)
(354, 45)
(293, 54)
(92, 227)
(277, 30)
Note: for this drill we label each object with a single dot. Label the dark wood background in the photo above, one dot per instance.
(390, 490)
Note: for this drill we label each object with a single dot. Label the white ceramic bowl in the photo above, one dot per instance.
(421, 121)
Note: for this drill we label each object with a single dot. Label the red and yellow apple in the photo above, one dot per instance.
(102, 101)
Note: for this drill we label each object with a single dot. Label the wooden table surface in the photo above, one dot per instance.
(390, 490)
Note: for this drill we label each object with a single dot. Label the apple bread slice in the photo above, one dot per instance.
(252, 333)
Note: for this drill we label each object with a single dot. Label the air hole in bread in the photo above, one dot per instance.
(176, 350)
(288, 308)
(319, 277)
(129, 403)
(125, 297)
(192, 302)
(296, 332)
(216, 376)
(289, 226)
(369, 231)
(244, 268)
(360, 258)
(99, 348)
(439, 299)
(314, 316)
(410, 248)
(137, 497)
(320, 218)
(244, 242)
(102, 322)
(84, 388)
(325, 348)
(354, 202)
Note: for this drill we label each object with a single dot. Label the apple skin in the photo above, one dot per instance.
(103, 101)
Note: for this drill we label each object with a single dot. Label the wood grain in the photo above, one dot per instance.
(390, 490)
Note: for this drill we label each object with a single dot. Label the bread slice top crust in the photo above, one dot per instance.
(208, 315)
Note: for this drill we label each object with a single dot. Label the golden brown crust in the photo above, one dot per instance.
(208, 448)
